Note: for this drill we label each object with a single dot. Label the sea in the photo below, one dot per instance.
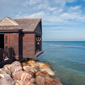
(67, 60)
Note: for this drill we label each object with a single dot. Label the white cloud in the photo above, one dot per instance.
(54, 18)
(52, 9)
(35, 15)
(53, 12)
(63, 2)
(76, 8)
(31, 2)
(41, 6)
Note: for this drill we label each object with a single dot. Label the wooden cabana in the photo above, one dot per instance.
(21, 38)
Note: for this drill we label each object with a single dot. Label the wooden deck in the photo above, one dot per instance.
(39, 53)
(6, 57)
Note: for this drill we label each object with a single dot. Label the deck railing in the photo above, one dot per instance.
(6, 54)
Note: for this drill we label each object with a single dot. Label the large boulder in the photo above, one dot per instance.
(53, 81)
(7, 71)
(23, 63)
(30, 69)
(20, 82)
(32, 80)
(31, 84)
(23, 82)
(7, 66)
(5, 79)
(43, 65)
(56, 81)
(2, 71)
(21, 75)
(42, 73)
(32, 63)
(16, 63)
(40, 80)
(14, 68)
(49, 71)
(48, 80)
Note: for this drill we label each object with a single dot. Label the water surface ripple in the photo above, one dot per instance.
(67, 59)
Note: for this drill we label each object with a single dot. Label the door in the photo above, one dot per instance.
(8, 41)
(8, 44)
(2, 41)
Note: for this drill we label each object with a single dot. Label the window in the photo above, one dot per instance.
(6, 39)
(10, 39)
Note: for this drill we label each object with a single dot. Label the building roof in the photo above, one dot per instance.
(27, 25)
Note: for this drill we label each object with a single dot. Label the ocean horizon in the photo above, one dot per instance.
(67, 60)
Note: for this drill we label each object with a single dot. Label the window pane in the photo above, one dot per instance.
(6, 39)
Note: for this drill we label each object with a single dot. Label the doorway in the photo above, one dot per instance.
(38, 43)
(2, 41)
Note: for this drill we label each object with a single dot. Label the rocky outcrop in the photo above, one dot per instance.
(42, 73)
(30, 69)
(28, 73)
(49, 71)
(5, 79)
(40, 80)
(21, 75)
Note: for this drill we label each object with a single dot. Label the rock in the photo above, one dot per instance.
(7, 71)
(5, 79)
(29, 69)
(23, 82)
(40, 63)
(43, 65)
(21, 75)
(42, 73)
(2, 71)
(56, 81)
(31, 84)
(6, 59)
(14, 68)
(40, 80)
(32, 80)
(7, 66)
(23, 64)
(32, 63)
(16, 63)
(1, 76)
(20, 82)
(53, 81)
(50, 72)
(34, 66)
(32, 69)
(48, 80)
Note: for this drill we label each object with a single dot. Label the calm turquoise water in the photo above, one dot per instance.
(67, 59)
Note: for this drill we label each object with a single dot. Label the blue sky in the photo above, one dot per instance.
(62, 20)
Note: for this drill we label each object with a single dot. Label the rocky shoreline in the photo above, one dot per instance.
(29, 72)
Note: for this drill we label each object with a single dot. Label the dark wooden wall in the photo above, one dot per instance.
(12, 42)
(16, 45)
(29, 46)
(22, 44)
(39, 29)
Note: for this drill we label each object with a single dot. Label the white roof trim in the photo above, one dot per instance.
(7, 22)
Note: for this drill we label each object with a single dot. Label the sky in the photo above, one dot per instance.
(62, 20)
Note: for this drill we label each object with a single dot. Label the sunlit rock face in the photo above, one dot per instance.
(29, 72)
